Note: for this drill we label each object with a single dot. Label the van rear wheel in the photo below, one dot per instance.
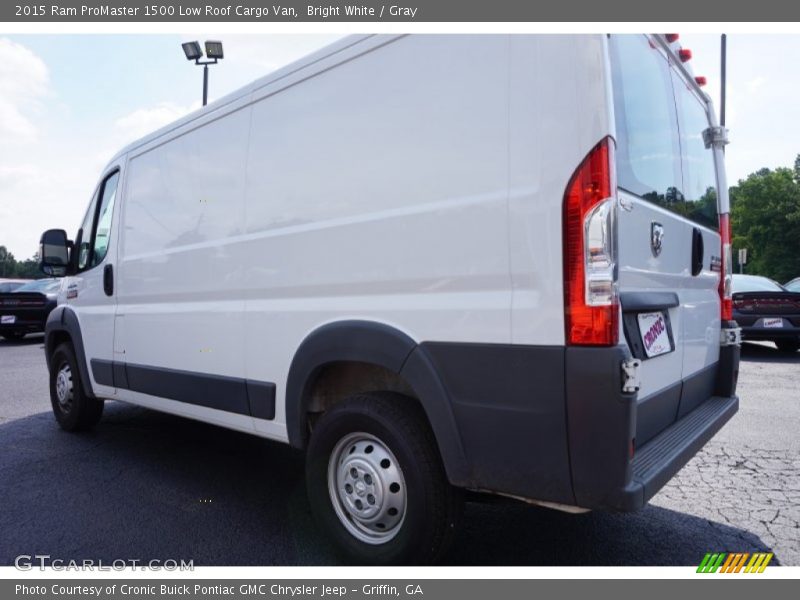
(376, 482)
(73, 409)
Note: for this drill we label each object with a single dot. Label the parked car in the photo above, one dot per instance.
(434, 262)
(25, 309)
(793, 285)
(767, 311)
(9, 285)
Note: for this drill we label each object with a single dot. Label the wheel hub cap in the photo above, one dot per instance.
(64, 386)
(367, 488)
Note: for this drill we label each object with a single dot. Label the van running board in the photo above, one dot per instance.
(658, 460)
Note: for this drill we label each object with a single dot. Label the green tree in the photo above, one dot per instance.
(8, 264)
(29, 269)
(12, 268)
(765, 210)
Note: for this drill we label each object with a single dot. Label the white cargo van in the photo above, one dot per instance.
(495, 263)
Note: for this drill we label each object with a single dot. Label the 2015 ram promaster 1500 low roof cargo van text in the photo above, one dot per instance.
(495, 263)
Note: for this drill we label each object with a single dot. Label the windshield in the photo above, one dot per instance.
(793, 285)
(752, 283)
(43, 286)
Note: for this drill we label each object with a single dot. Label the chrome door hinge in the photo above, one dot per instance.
(715, 136)
(630, 375)
(730, 337)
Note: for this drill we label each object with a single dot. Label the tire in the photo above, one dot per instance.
(73, 409)
(400, 479)
(14, 336)
(788, 345)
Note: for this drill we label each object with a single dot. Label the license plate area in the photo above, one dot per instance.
(649, 333)
(8, 319)
(772, 323)
(654, 333)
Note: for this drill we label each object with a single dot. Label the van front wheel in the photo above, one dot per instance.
(73, 409)
(376, 482)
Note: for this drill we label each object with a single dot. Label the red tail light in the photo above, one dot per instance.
(725, 293)
(591, 302)
(685, 54)
(742, 304)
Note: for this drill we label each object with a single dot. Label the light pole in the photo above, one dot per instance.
(193, 52)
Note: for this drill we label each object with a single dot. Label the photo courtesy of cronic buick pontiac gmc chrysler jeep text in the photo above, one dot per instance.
(496, 263)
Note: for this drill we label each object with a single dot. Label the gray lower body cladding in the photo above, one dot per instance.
(551, 423)
(547, 423)
(509, 410)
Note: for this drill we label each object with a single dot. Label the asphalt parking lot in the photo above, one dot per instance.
(150, 486)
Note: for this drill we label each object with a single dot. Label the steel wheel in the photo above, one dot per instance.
(367, 488)
(72, 407)
(64, 387)
(376, 483)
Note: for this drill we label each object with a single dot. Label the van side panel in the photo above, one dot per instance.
(559, 111)
(180, 274)
(377, 191)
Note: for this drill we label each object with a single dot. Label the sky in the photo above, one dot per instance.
(68, 103)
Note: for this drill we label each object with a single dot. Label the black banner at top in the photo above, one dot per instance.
(397, 11)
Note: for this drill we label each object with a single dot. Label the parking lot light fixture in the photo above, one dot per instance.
(214, 49)
(194, 52)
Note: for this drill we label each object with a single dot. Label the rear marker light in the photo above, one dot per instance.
(685, 54)
(725, 280)
(672, 37)
(591, 299)
(701, 81)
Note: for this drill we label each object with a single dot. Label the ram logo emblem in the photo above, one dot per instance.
(656, 237)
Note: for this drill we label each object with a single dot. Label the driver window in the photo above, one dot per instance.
(85, 235)
(105, 212)
(96, 227)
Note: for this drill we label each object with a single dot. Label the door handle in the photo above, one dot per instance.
(108, 280)
(697, 251)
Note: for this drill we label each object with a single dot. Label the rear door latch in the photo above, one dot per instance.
(630, 375)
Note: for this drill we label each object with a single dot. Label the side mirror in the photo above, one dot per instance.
(54, 252)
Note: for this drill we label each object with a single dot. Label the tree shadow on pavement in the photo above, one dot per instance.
(146, 485)
(653, 536)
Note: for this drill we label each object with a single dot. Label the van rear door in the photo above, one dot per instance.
(700, 295)
(667, 218)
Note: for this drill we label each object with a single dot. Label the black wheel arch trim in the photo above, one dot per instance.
(382, 345)
(63, 319)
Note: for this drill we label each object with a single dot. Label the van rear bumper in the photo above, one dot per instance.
(609, 470)
(551, 424)
(655, 463)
